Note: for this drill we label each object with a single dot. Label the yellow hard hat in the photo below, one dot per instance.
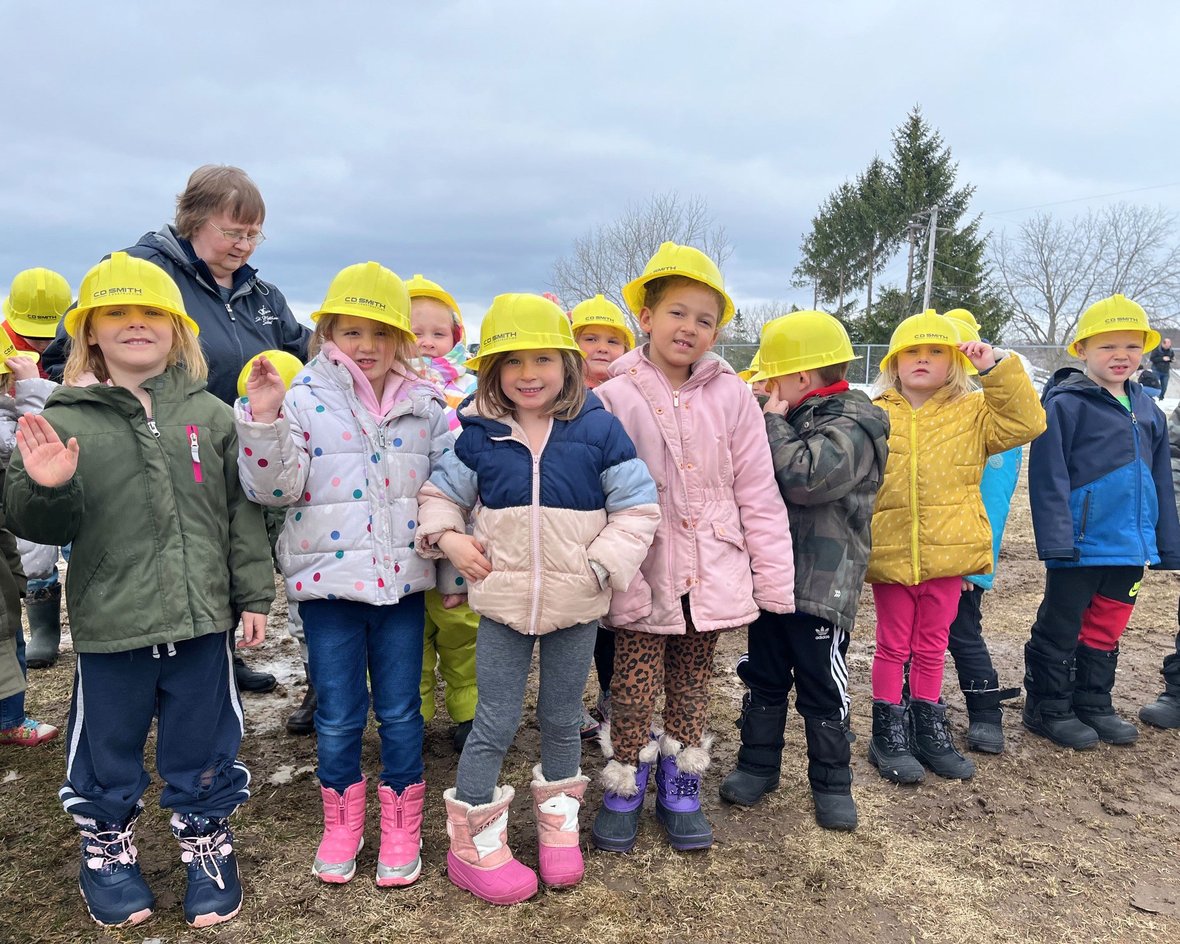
(522, 322)
(967, 328)
(288, 366)
(1117, 313)
(674, 259)
(600, 310)
(927, 328)
(8, 349)
(748, 374)
(802, 340)
(36, 302)
(368, 290)
(421, 287)
(121, 279)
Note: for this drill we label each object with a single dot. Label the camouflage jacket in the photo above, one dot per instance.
(829, 459)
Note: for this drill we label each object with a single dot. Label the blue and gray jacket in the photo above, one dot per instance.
(253, 319)
(1100, 481)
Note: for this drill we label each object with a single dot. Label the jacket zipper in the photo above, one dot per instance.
(1085, 517)
(535, 540)
(914, 546)
(152, 427)
(195, 449)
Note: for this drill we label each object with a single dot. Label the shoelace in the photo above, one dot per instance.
(109, 847)
(208, 852)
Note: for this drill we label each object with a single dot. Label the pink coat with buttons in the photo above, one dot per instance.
(723, 537)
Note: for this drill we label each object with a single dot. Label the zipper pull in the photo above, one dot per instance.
(151, 425)
(194, 448)
(230, 311)
(675, 399)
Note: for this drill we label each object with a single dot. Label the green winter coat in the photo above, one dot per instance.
(12, 584)
(166, 547)
(829, 460)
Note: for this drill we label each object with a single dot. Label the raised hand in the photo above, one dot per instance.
(47, 461)
(466, 553)
(265, 390)
(980, 354)
(22, 367)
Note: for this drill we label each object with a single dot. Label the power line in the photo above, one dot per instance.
(1097, 196)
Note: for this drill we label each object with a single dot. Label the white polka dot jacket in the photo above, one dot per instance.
(348, 480)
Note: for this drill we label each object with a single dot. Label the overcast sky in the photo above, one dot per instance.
(473, 141)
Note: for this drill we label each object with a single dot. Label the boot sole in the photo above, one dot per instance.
(982, 747)
(212, 918)
(137, 917)
(1041, 732)
(393, 881)
(40, 663)
(686, 843)
(1169, 725)
(945, 776)
(507, 898)
(612, 845)
(729, 796)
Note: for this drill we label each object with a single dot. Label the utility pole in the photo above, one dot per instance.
(930, 258)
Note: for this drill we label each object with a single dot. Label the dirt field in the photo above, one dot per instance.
(1043, 845)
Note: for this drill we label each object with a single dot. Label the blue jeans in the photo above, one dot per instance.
(12, 708)
(347, 641)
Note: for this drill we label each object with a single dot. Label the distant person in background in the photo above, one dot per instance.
(206, 252)
(1161, 362)
(1151, 383)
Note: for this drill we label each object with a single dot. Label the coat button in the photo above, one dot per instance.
(660, 410)
(684, 523)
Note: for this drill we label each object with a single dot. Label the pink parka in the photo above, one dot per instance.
(723, 537)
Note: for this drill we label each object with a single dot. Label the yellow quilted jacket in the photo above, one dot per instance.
(929, 520)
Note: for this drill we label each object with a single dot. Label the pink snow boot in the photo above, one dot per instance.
(479, 859)
(400, 861)
(344, 834)
(555, 805)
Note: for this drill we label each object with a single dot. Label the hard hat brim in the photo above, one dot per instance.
(633, 291)
(75, 315)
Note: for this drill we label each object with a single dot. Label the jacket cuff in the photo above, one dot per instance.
(261, 607)
(1059, 553)
(53, 491)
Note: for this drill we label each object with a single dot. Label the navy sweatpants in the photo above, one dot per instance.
(189, 689)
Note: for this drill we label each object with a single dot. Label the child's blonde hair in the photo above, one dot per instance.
(405, 346)
(87, 358)
(957, 378)
(491, 400)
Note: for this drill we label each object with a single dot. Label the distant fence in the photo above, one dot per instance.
(1044, 359)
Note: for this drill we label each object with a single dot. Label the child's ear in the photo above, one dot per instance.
(645, 320)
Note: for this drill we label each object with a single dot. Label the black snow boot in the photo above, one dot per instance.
(1048, 705)
(889, 750)
(985, 715)
(760, 756)
(933, 744)
(44, 610)
(830, 773)
(1091, 696)
(302, 719)
(1164, 712)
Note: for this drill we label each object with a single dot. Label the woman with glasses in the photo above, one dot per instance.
(207, 250)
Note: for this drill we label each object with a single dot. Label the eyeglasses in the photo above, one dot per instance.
(237, 235)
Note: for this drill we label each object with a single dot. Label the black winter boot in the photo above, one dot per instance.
(933, 744)
(985, 714)
(760, 756)
(250, 681)
(1048, 706)
(1164, 712)
(302, 719)
(44, 609)
(889, 750)
(830, 773)
(1091, 696)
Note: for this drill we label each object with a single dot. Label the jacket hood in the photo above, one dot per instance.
(322, 372)
(854, 405)
(1070, 380)
(497, 427)
(173, 385)
(167, 241)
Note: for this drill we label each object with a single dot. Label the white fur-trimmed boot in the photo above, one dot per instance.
(556, 804)
(678, 793)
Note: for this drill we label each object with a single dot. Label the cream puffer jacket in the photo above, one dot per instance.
(562, 527)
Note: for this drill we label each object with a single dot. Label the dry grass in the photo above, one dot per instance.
(1042, 845)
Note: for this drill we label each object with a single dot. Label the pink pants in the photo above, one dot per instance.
(913, 624)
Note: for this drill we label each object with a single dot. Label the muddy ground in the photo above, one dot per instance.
(1043, 845)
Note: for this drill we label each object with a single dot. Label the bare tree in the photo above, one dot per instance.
(1052, 270)
(746, 326)
(609, 257)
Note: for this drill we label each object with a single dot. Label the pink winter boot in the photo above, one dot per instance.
(479, 859)
(555, 806)
(344, 833)
(400, 861)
